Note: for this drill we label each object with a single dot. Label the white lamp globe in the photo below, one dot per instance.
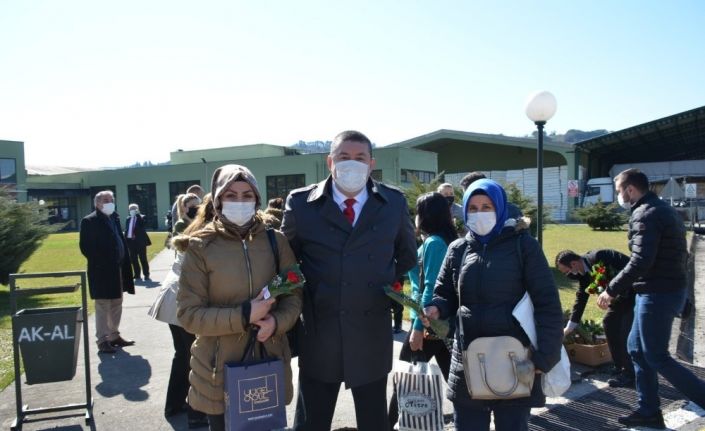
(541, 106)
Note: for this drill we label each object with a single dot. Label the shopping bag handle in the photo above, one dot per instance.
(252, 345)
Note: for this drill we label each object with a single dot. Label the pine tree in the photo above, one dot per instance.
(23, 227)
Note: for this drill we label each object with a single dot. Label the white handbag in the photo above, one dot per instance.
(495, 368)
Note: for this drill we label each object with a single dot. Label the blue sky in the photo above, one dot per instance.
(86, 83)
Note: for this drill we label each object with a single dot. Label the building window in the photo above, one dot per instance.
(376, 175)
(8, 171)
(177, 188)
(145, 195)
(408, 175)
(279, 186)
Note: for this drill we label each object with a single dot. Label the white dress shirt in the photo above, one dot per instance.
(360, 200)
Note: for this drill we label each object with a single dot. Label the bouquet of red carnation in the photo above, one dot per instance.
(440, 328)
(601, 276)
(286, 282)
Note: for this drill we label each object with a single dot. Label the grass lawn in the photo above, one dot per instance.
(59, 252)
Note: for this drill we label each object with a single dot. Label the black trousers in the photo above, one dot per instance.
(316, 404)
(216, 422)
(177, 391)
(138, 254)
(431, 349)
(617, 323)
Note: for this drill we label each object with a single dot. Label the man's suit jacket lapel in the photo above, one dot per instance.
(330, 211)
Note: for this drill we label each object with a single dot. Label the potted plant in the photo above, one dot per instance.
(587, 344)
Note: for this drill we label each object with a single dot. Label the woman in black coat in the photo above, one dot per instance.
(494, 265)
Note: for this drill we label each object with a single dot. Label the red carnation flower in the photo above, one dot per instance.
(291, 277)
(397, 287)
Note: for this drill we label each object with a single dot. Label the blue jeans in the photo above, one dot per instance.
(506, 418)
(648, 347)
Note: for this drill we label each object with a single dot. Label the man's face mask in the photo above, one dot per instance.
(108, 208)
(450, 199)
(350, 175)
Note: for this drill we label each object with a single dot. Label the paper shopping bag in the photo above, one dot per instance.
(419, 388)
(254, 394)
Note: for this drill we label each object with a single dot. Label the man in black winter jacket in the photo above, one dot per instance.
(618, 319)
(656, 270)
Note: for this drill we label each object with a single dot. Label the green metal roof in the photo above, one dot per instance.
(677, 137)
(433, 140)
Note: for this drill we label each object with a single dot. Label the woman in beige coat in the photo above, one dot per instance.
(225, 268)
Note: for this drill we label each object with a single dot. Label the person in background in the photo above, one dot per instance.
(618, 319)
(353, 236)
(225, 268)
(193, 189)
(513, 211)
(657, 273)
(490, 270)
(397, 313)
(471, 178)
(448, 192)
(164, 309)
(435, 227)
(187, 208)
(137, 242)
(275, 208)
(109, 271)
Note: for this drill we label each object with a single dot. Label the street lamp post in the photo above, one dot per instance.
(540, 107)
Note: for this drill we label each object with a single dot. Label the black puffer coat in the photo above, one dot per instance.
(658, 246)
(493, 278)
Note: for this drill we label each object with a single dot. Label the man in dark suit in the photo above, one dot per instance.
(137, 242)
(352, 236)
(109, 272)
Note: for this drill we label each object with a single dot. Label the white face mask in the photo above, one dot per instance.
(351, 175)
(238, 212)
(108, 208)
(481, 222)
(622, 203)
(133, 213)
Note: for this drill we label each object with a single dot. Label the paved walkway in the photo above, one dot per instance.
(129, 387)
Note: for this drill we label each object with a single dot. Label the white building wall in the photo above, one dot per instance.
(555, 186)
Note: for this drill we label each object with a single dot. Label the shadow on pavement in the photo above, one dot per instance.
(122, 373)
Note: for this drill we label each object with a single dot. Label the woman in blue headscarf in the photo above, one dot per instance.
(492, 267)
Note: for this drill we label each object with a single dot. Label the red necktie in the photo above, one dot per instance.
(349, 212)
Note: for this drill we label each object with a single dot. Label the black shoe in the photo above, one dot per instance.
(105, 347)
(624, 380)
(636, 419)
(147, 279)
(121, 342)
(396, 330)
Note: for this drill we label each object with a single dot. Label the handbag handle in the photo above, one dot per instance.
(481, 358)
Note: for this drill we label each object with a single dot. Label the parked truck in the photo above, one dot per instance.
(599, 189)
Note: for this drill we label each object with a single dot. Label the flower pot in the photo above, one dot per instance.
(589, 354)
